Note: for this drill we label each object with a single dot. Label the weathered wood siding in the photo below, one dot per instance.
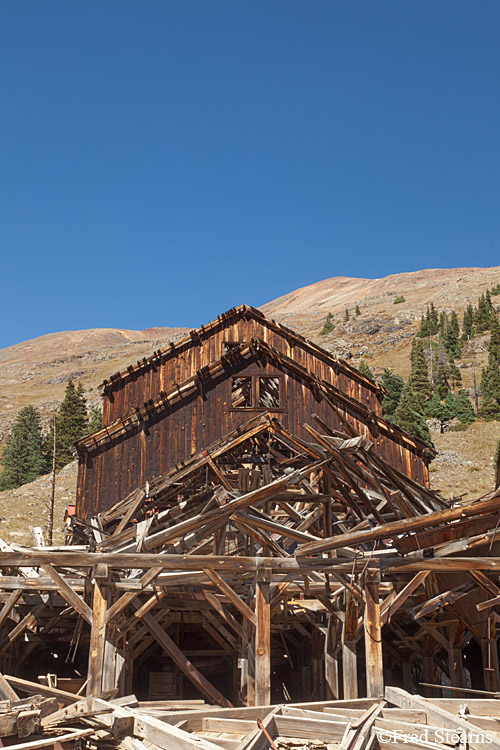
(114, 468)
(167, 369)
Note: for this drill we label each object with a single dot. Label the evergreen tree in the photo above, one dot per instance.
(455, 375)
(71, 424)
(419, 375)
(451, 340)
(482, 315)
(95, 420)
(468, 323)
(23, 459)
(364, 369)
(433, 320)
(462, 407)
(436, 409)
(328, 325)
(409, 417)
(443, 324)
(393, 385)
(442, 373)
(357, 311)
(346, 316)
(490, 378)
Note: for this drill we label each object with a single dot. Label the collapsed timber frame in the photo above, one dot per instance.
(265, 568)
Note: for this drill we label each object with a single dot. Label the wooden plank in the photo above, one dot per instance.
(386, 612)
(34, 688)
(440, 717)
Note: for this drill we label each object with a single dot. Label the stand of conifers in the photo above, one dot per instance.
(295, 576)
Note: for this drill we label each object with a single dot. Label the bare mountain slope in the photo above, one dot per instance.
(36, 371)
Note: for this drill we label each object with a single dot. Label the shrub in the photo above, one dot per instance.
(398, 300)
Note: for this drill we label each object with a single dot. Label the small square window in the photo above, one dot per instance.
(241, 393)
(269, 393)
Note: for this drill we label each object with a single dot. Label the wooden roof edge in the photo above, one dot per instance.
(178, 390)
(205, 330)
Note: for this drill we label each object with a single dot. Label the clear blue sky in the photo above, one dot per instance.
(162, 161)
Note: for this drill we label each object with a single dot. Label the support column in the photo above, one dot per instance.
(373, 636)
(489, 649)
(262, 638)
(98, 633)
(349, 657)
(455, 663)
(331, 663)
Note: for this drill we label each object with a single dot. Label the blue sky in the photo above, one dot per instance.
(163, 161)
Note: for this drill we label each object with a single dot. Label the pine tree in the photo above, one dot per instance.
(357, 311)
(482, 315)
(433, 320)
(71, 424)
(393, 385)
(419, 375)
(455, 375)
(490, 378)
(23, 459)
(328, 325)
(409, 417)
(442, 373)
(462, 407)
(95, 420)
(436, 409)
(451, 340)
(468, 323)
(346, 316)
(364, 369)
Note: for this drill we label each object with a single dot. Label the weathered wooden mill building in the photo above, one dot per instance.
(161, 410)
(251, 531)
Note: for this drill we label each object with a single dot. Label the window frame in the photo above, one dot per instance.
(255, 392)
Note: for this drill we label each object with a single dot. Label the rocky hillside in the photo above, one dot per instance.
(36, 371)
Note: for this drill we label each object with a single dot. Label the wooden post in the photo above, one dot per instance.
(455, 663)
(262, 638)
(489, 649)
(349, 656)
(95, 675)
(331, 663)
(50, 524)
(373, 636)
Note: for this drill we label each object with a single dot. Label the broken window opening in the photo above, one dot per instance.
(269, 393)
(241, 393)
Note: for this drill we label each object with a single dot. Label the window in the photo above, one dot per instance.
(255, 392)
(269, 392)
(241, 393)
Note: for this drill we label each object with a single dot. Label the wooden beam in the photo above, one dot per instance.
(236, 600)
(394, 528)
(203, 685)
(373, 637)
(262, 638)
(68, 594)
(97, 640)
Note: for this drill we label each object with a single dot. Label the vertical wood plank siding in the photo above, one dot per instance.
(133, 390)
(115, 467)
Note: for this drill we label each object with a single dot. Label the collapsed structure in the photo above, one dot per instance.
(250, 531)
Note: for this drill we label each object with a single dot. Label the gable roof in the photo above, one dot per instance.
(199, 380)
(246, 312)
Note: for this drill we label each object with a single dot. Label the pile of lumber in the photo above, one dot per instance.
(396, 719)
